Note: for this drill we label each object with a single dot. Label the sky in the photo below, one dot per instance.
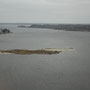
(45, 11)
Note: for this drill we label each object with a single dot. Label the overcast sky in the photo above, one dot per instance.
(45, 11)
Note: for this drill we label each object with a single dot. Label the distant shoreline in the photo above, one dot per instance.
(66, 27)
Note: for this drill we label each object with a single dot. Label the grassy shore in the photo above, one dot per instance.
(40, 51)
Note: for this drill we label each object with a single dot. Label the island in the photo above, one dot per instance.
(4, 31)
(48, 51)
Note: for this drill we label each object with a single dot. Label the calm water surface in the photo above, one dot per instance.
(64, 71)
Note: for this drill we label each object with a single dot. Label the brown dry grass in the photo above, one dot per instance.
(28, 52)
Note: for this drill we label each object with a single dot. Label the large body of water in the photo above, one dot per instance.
(64, 71)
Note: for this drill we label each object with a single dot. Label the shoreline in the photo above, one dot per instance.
(48, 51)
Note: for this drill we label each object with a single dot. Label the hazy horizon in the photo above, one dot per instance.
(45, 11)
(43, 23)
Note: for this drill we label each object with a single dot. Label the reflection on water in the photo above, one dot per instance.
(65, 71)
